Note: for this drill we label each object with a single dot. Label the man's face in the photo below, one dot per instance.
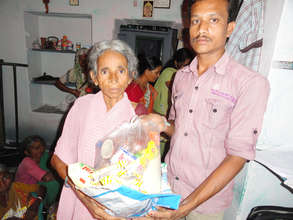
(209, 27)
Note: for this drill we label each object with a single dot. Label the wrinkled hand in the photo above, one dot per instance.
(48, 177)
(95, 208)
(76, 93)
(155, 119)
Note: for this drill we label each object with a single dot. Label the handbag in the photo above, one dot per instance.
(270, 213)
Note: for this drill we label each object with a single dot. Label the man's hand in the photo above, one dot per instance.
(167, 214)
(160, 122)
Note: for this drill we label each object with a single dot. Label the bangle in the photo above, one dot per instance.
(166, 123)
(40, 197)
(66, 182)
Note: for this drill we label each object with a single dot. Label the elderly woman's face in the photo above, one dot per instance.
(112, 76)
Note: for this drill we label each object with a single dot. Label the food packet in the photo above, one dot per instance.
(127, 173)
(132, 151)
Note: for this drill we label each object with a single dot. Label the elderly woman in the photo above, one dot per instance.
(78, 75)
(113, 66)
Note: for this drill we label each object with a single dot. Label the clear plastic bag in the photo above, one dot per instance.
(127, 176)
(132, 152)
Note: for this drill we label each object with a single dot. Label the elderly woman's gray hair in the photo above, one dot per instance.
(116, 45)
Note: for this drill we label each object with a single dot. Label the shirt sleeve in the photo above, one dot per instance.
(33, 169)
(247, 117)
(67, 145)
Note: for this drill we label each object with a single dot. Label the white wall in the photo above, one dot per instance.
(272, 19)
(12, 49)
(256, 185)
(278, 121)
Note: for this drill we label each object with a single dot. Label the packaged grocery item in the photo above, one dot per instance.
(127, 177)
(133, 149)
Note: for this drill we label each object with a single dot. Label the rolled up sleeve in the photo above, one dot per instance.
(247, 117)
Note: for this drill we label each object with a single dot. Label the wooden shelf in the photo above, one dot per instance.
(50, 82)
(56, 14)
(47, 109)
(46, 82)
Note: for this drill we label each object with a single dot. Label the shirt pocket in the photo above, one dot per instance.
(217, 113)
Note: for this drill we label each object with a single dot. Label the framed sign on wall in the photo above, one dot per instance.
(148, 9)
(74, 2)
(162, 3)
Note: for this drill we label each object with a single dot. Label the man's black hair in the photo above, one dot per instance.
(233, 8)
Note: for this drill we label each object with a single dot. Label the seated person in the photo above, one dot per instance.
(16, 201)
(140, 90)
(78, 76)
(33, 168)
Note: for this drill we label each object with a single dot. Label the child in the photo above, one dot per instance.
(33, 168)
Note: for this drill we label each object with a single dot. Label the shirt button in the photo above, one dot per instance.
(196, 88)
(177, 178)
(185, 134)
(255, 131)
(215, 110)
(190, 110)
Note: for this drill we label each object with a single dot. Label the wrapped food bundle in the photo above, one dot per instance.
(127, 177)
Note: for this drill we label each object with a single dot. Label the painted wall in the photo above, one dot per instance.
(256, 185)
(13, 49)
(278, 121)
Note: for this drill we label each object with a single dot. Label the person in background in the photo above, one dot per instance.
(215, 118)
(78, 75)
(163, 86)
(16, 204)
(112, 67)
(33, 169)
(140, 91)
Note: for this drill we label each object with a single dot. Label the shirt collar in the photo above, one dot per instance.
(219, 67)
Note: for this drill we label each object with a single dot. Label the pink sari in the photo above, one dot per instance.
(87, 122)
